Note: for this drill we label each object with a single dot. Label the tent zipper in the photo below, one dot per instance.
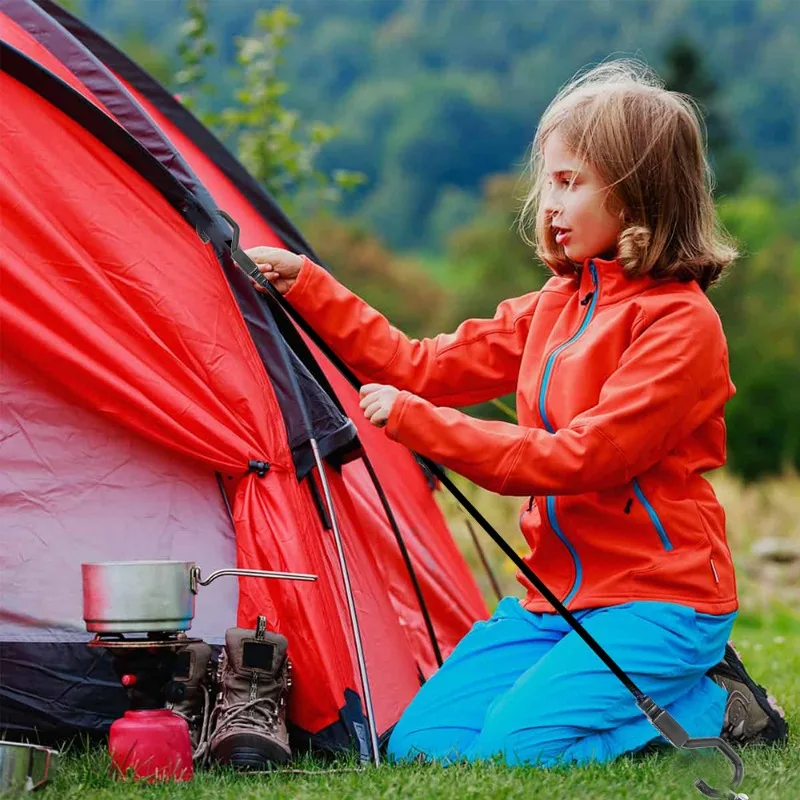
(550, 500)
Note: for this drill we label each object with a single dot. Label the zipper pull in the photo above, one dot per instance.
(588, 299)
(628, 505)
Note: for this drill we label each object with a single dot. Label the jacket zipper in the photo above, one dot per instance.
(550, 500)
(654, 518)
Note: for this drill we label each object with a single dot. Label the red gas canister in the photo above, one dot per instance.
(154, 744)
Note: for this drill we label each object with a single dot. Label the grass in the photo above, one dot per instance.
(772, 657)
(767, 634)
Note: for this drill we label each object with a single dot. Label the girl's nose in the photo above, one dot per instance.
(549, 203)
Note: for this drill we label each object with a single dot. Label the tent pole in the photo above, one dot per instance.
(351, 606)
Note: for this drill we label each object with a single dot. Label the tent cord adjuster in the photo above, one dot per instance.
(259, 467)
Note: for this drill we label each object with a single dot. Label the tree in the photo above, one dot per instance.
(399, 286)
(758, 303)
(685, 71)
(276, 146)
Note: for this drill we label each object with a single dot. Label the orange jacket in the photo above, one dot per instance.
(620, 385)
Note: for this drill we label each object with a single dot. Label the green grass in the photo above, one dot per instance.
(771, 650)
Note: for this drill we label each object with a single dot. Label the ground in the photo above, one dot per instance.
(770, 646)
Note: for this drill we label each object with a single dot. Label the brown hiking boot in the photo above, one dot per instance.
(249, 725)
(751, 715)
(189, 693)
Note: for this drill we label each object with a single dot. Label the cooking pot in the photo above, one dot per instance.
(24, 767)
(149, 596)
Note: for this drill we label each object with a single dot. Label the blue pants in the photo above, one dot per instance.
(524, 686)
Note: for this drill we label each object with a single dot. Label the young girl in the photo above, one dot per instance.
(620, 368)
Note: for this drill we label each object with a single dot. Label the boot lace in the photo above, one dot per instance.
(266, 717)
(259, 714)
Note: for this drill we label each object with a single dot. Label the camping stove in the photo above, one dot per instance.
(146, 665)
(149, 739)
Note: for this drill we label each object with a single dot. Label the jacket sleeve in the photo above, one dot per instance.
(476, 363)
(672, 377)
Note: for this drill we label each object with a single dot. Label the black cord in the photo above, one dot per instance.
(465, 503)
(249, 267)
(406, 558)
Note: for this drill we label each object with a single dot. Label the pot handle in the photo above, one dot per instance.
(195, 580)
(45, 773)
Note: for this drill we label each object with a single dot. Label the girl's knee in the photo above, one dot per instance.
(401, 747)
(429, 744)
(527, 741)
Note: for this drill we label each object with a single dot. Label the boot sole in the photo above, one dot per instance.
(258, 755)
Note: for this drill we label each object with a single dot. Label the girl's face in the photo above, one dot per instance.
(576, 204)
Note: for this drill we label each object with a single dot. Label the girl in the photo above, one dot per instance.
(620, 368)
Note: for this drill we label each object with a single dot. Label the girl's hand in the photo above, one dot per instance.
(279, 267)
(377, 401)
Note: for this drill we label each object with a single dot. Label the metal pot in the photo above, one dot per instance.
(147, 596)
(25, 767)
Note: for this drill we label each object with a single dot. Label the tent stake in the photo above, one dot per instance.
(351, 606)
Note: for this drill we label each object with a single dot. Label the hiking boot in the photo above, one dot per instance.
(751, 715)
(249, 727)
(189, 692)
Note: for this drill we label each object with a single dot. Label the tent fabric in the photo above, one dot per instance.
(114, 309)
(455, 602)
(332, 431)
(152, 95)
(178, 368)
(433, 553)
(84, 465)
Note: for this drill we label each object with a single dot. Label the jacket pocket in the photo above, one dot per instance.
(530, 523)
(653, 515)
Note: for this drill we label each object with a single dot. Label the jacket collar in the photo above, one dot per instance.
(608, 279)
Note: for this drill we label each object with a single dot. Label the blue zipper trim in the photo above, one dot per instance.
(548, 369)
(651, 512)
(551, 518)
(550, 499)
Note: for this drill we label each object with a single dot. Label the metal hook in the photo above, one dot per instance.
(732, 756)
(234, 226)
(669, 728)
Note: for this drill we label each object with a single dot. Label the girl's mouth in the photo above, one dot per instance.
(561, 234)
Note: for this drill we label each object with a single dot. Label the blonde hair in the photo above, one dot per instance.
(648, 146)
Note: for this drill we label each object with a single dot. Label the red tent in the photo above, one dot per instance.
(142, 375)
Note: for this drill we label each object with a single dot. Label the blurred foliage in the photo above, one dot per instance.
(399, 286)
(759, 302)
(431, 97)
(685, 71)
(273, 142)
(436, 104)
(194, 48)
(489, 260)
